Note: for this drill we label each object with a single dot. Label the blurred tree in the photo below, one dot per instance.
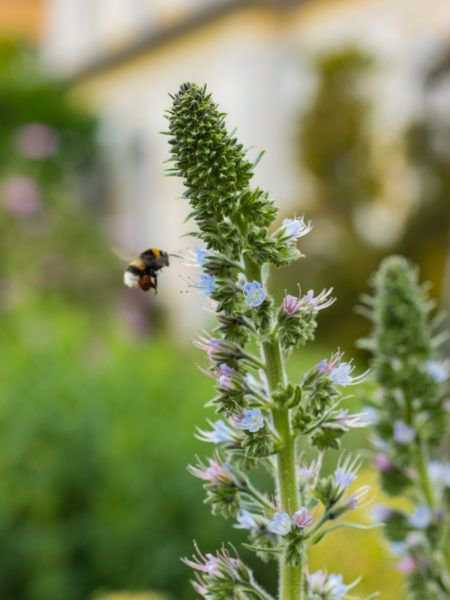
(334, 137)
(335, 148)
(50, 243)
(427, 238)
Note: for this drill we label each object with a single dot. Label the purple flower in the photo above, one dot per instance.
(355, 500)
(209, 345)
(251, 420)
(381, 513)
(307, 473)
(403, 433)
(36, 141)
(407, 565)
(382, 462)
(294, 229)
(339, 372)
(246, 520)
(215, 473)
(302, 518)
(254, 293)
(206, 284)
(344, 478)
(280, 524)
(208, 564)
(421, 517)
(316, 303)
(437, 370)
(22, 197)
(346, 472)
(291, 305)
(225, 374)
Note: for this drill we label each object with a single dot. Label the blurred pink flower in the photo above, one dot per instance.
(407, 565)
(36, 141)
(21, 196)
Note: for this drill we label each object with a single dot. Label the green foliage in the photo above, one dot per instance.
(94, 437)
(403, 344)
(412, 423)
(254, 396)
(217, 176)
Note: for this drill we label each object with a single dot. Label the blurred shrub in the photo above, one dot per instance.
(95, 436)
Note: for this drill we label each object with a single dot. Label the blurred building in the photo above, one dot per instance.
(125, 56)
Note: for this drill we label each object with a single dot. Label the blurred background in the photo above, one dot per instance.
(99, 389)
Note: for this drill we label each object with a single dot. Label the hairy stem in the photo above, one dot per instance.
(422, 471)
(291, 577)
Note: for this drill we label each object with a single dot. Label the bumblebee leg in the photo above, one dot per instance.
(155, 283)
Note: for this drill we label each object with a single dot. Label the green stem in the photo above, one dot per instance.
(422, 471)
(291, 578)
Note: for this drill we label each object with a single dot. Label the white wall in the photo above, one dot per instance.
(260, 77)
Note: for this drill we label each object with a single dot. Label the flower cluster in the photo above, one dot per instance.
(410, 419)
(263, 418)
(224, 576)
(320, 415)
(297, 317)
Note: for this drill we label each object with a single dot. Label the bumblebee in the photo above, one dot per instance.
(142, 271)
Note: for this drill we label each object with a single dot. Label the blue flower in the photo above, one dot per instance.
(346, 472)
(398, 548)
(421, 518)
(403, 433)
(200, 254)
(342, 374)
(326, 586)
(337, 588)
(440, 473)
(251, 420)
(437, 370)
(381, 513)
(254, 293)
(245, 520)
(220, 434)
(225, 374)
(280, 524)
(344, 478)
(206, 284)
(296, 228)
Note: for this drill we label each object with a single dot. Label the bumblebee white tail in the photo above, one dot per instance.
(130, 279)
